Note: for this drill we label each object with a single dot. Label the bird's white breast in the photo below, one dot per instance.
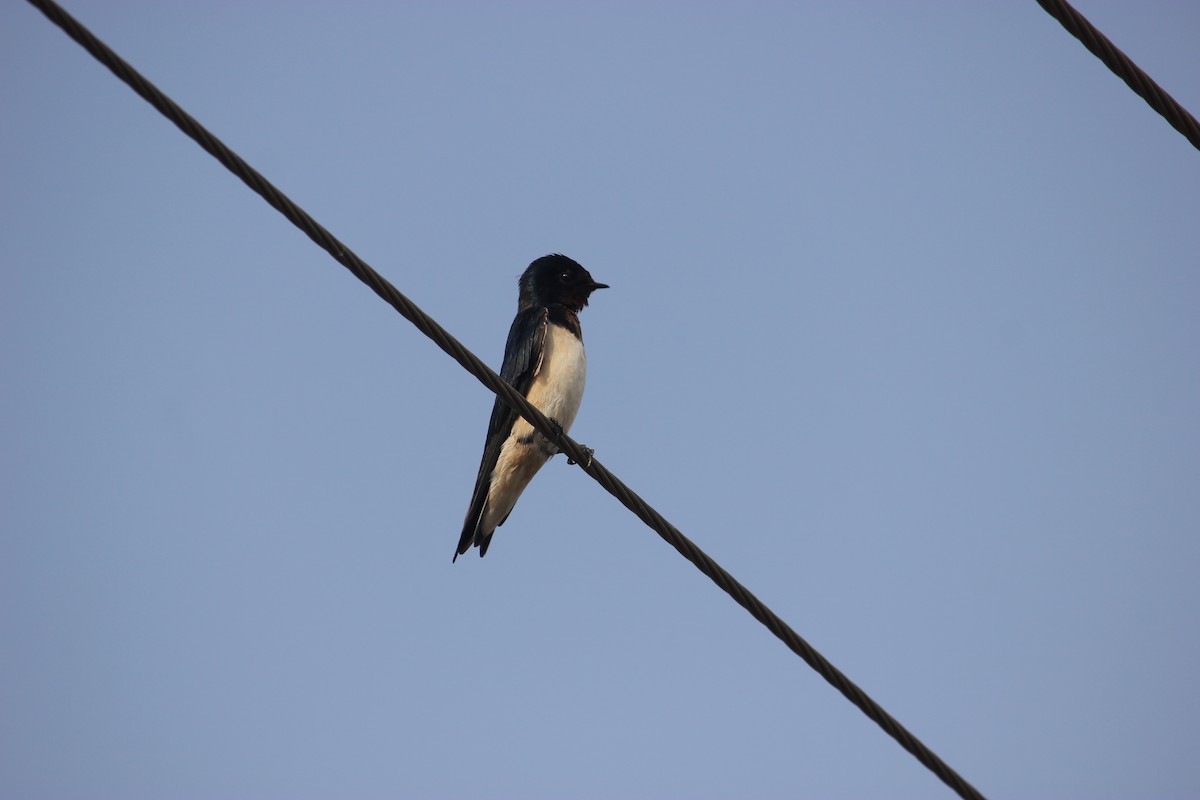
(557, 388)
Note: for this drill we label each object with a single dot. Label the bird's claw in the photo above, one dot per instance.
(558, 445)
(587, 451)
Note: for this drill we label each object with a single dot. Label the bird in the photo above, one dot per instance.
(545, 361)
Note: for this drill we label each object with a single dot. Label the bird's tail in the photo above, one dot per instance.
(472, 533)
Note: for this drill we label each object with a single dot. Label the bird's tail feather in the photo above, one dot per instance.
(471, 533)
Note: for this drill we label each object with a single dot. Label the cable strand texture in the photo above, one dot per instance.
(627, 497)
(1141, 83)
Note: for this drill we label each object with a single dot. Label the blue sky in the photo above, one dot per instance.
(902, 332)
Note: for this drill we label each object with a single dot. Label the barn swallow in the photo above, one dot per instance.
(544, 361)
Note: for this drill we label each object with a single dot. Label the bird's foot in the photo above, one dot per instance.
(556, 440)
(587, 451)
(559, 433)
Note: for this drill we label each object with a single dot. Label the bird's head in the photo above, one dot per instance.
(556, 279)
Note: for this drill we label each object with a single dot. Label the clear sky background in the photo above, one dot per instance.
(903, 331)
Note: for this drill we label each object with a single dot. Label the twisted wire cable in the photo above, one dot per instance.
(1141, 83)
(492, 381)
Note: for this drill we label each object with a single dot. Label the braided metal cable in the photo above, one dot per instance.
(1141, 83)
(491, 380)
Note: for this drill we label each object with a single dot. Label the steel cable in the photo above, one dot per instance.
(628, 498)
(1141, 83)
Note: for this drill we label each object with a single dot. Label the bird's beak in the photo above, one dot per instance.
(596, 286)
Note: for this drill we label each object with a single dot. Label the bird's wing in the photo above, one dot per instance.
(522, 358)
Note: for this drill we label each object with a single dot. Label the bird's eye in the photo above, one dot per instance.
(564, 276)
